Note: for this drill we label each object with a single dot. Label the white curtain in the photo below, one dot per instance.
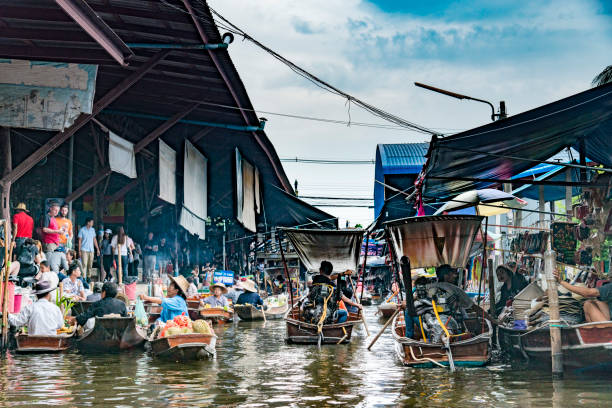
(248, 200)
(195, 192)
(167, 173)
(121, 155)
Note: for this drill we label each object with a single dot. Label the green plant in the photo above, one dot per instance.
(64, 303)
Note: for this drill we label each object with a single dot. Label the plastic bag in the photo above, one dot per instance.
(140, 314)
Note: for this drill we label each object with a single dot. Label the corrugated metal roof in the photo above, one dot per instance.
(402, 155)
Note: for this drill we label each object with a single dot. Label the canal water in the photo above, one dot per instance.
(254, 367)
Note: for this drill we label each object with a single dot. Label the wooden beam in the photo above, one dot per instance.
(82, 120)
(5, 187)
(128, 187)
(83, 188)
(142, 143)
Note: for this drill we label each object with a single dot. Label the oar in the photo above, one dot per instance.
(384, 327)
(365, 325)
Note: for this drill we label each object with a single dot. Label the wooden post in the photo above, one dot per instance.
(568, 195)
(484, 265)
(553, 306)
(491, 287)
(7, 166)
(280, 245)
(407, 275)
(7, 241)
(363, 270)
(541, 207)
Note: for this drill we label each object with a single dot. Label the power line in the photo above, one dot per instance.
(325, 161)
(317, 81)
(337, 198)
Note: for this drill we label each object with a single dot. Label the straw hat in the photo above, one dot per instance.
(249, 286)
(182, 283)
(43, 287)
(219, 285)
(21, 206)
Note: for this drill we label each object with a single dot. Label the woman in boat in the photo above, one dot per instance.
(250, 295)
(217, 299)
(513, 283)
(394, 295)
(43, 318)
(175, 303)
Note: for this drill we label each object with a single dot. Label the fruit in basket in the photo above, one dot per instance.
(201, 326)
(183, 321)
(173, 331)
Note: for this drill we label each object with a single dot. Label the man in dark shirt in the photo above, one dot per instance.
(108, 305)
(324, 277)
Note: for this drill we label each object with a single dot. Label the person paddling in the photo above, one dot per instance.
(250, 295)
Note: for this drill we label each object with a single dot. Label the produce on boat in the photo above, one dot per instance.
(182, 339)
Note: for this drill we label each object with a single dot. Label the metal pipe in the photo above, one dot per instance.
(363, 269)
(179, 46)
(483, 268)
(458, 96)
(187, 121)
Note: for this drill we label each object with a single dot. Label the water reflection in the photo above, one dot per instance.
(254, 367)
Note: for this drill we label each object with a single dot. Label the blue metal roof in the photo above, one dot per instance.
(401, 158)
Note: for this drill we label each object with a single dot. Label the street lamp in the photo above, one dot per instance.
(502, 105)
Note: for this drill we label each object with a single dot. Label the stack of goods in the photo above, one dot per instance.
(570, 310)
(564, 241)
(522, 301)
(184, 325)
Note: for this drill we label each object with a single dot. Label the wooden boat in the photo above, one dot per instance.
(367, 298)
(386, 310)
(470, 351)
(185, 347)
(80, 307)
(584, 346)
(43, 344)
(216, 315)
(300, 332)
(423, 242)
(248, 313)
(277, 312)
(112, 334)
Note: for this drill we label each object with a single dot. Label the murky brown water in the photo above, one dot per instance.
(255, 368)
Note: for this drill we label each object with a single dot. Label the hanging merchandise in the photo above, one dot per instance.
(564, 241)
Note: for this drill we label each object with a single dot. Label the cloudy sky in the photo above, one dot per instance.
(526, 53)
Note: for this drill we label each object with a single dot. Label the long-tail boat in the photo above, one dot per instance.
(112, 334)
(386, 310)
(27, 343)
(584, 346)
(276, 312)
(249, 312)
(423, 242)
(342, 249)
(216, 315)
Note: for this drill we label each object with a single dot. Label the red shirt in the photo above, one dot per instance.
(51, 224)
(25, 225)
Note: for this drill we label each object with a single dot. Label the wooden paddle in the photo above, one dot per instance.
(384, 327)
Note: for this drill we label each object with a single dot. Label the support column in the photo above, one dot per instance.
(568, 195)
(542, 206)
(5, 186)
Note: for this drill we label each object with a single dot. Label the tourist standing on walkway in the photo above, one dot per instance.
(23, 225)
(150, 254)
(64, 223)
(51, 230)
(87, 244)
(127, 246)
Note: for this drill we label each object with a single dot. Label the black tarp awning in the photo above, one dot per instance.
(536, 134)
(289, 211)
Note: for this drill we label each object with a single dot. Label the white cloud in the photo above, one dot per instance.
(529, 58)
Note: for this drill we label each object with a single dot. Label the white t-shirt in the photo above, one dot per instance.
(124, 248)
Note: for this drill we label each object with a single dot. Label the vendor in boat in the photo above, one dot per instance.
(235, 292)
(394, 295)
(446, 273)
(175, 303)
(513, 283)
(218, 298)
(72, 286)
(109, 304)
(324, 277)
(43, 317)
(250, 295)
(596, 309)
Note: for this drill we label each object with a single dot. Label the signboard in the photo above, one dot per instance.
(45, 95)
(224, 277)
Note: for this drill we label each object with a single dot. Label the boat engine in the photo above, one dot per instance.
(426, 296)
(314, 305)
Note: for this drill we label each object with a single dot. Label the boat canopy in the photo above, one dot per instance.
(434, 240)
(340, 247)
